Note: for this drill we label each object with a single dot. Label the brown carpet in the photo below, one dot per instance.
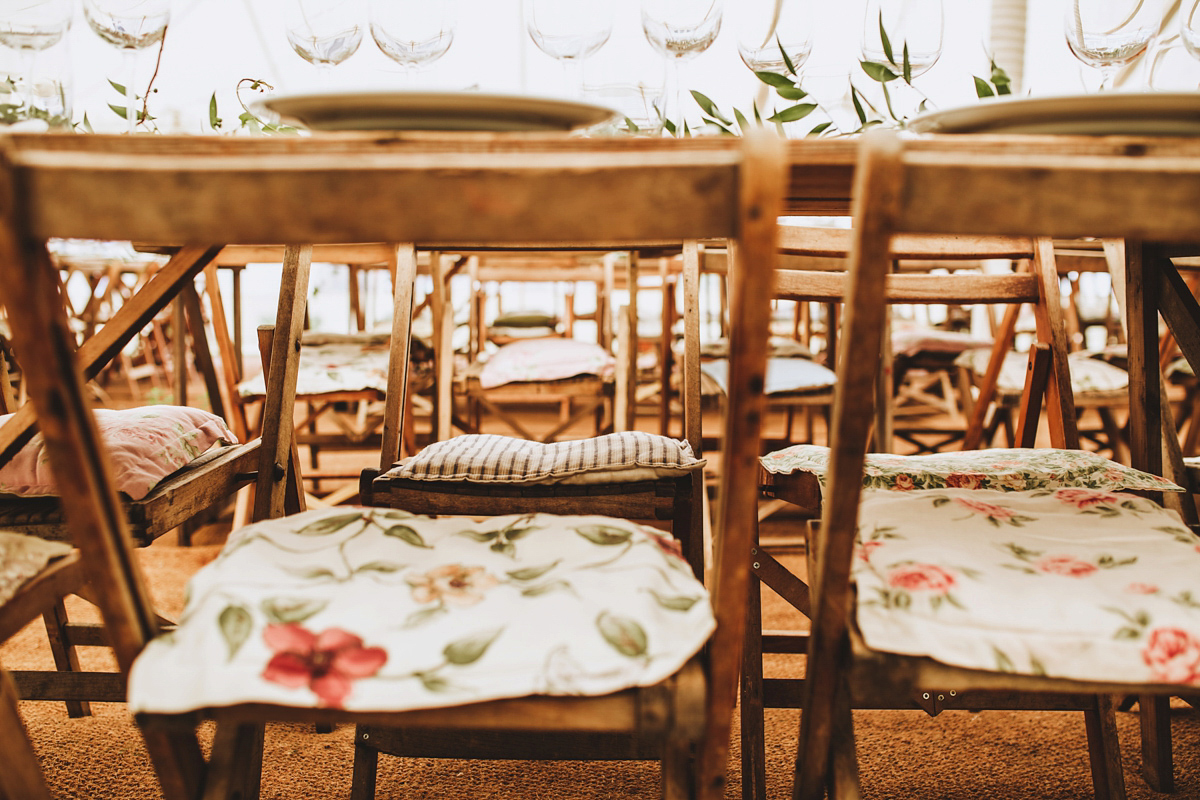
(959, 755)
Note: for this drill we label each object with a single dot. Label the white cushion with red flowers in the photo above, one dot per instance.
(334, 365)
(549, 359)
(1069, 583)
(377, 609)
(1010, 469)
(143, 445)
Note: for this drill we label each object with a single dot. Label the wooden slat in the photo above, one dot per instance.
(950, 289)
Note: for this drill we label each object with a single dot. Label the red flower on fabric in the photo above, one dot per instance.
(1141, 588)
(1084, 499)
(964, 480)
(1065, 565)
(1173, 656)
(669, 545)
(987, 509)
(865, 550)
(903, 483)
(328, 662)
(921, 577)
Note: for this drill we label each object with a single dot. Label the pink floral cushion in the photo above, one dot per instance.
(1006, 469)
(378, 609)
(144, 445)
(1071, 583)
(549, 359)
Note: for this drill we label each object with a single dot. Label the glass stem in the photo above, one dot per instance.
(1108, 76)
(130, 56)
(572, 78)
(675, 96)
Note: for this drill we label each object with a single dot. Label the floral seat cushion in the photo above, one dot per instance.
(548, 359)
(143, 445)
(1088, 375)
(784, 375)
(333, 366)
(22, 557)
(488, 458)
(1005, 469)
(377, 609)
(1069, 583)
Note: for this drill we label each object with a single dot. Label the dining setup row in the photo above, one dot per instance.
(602, 595)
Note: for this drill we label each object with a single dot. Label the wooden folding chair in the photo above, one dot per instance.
(335, 190)
(1147, 190)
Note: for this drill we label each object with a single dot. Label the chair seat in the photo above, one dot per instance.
(545, 359)
(23, 557)
(1089, 376)
(628, 457)
(331, 367)
(469, 612)
(1068, 583)
(1002, 469)
(784, 376)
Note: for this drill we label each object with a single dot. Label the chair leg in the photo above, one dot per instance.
(21, 776)
(235, 769)
(1104, 750)
(366, 766)
(754, 756)
(678, 770)
(1157, 770)
(66, 657)
(843, 760)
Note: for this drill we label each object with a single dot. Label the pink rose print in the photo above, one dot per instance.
(669, 545)
(964, 480)
(453, 584)
(865, 550)
(903, 483)
(1141, 588)
(1173, 656)
(1084, 499)
(987, 509)
(328, 662)
(921, 577)
(1065, 565)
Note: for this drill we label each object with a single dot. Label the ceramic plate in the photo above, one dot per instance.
(430, 111)
(1113, 113)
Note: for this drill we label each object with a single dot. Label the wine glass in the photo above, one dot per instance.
(1189, 27)
(130, 25)
(570, 31)
(413, 33)
(766, 29)
(1108, 34)
(905, 35)
(30, 28)
(324, 32)
(680, 30)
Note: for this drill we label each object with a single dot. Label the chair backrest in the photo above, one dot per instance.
(454, 191)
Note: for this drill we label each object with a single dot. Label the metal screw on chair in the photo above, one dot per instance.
(366, 736)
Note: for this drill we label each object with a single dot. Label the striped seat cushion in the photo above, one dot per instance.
(488, 458)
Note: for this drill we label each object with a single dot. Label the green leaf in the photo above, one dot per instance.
(787, 60)
(631, 126)
(1000, 79)
(235, 623)
(421, 617)
(328, 525)
(668, 126)
(887, 99)
(469, 650)
(1003, 662)
(794, 93)
(742, 122)
(119, 87)
(982, 89)
(709, 107)
(118, 110)
(675, 602)
(214, 121)
(878, 72)
(862, 119)
(604, 535)
(626, 636)
(389, 513)
(757, 116)
(433, 682)
(887, 43)
(907, 71)
(1127, 634)
(532, 573)
(793, 113)
(87, 124)
(776, 80)
(382, 567)
(480, 536)
(285, 610)
(546, 588)
(313, 573)
(512, 534)
(408, 535)
(820, 128)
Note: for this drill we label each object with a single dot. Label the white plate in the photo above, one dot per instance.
(430, 111)
(1111, 113)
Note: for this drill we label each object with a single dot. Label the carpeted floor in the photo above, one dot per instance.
(958, 755)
